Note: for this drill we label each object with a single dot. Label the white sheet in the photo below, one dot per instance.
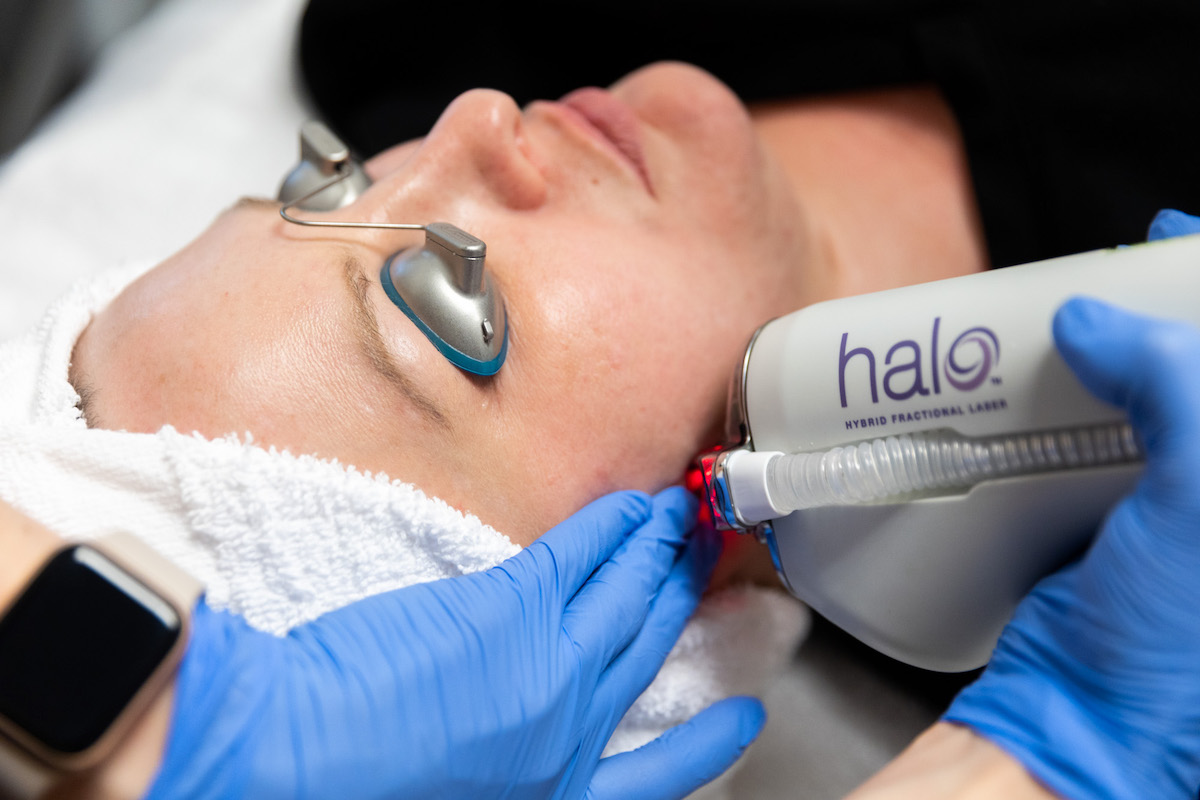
(196, 107)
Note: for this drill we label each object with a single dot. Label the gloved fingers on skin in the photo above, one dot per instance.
(610, 608)
(640, 661)
(1146, 366)
(567, 555)
(684, 758)
(1169, 222)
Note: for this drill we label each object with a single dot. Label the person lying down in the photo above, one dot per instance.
(258, 409)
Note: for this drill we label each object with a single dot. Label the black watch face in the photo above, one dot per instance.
(77, 646)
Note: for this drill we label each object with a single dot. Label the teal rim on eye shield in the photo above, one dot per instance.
(443, 286)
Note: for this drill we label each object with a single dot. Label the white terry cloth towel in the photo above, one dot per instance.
(282, 538)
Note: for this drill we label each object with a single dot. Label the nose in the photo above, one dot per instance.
(476, 152)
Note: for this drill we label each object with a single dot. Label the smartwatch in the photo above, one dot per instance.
(92, 639)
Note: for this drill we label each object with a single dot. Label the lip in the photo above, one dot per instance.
(611, 122)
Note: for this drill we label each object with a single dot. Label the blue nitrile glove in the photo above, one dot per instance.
(1095, 684)
(506, 683)
(1171, 222)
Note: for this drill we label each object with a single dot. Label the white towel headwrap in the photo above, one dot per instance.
(281, 538)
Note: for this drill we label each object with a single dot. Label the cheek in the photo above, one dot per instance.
(611, 391)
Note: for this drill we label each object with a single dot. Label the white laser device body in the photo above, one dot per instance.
(917, 458)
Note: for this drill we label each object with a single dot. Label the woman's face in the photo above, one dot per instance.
(638, 236)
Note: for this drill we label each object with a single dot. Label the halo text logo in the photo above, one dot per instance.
(908, 370)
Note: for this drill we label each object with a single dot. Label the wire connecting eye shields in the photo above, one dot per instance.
(442, 286)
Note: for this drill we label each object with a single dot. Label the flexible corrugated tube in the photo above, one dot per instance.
(901, 465)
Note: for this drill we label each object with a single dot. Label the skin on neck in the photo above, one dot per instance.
(884, 182)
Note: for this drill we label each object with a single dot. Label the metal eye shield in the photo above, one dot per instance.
(442, 286)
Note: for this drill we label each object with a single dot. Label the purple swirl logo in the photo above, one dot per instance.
(970, 359)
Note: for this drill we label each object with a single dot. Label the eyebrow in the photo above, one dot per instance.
(370, 340)
(86, 392)
(251, 201)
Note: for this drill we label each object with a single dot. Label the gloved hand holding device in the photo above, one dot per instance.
(1095, 684)
(504, 683)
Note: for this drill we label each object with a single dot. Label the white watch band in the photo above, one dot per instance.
(23, 776)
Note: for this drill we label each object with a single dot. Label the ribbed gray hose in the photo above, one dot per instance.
(900, 465)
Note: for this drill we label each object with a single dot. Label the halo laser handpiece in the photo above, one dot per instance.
(916, 459)
(442, 287)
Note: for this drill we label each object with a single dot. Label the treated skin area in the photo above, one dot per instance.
(637, 245)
